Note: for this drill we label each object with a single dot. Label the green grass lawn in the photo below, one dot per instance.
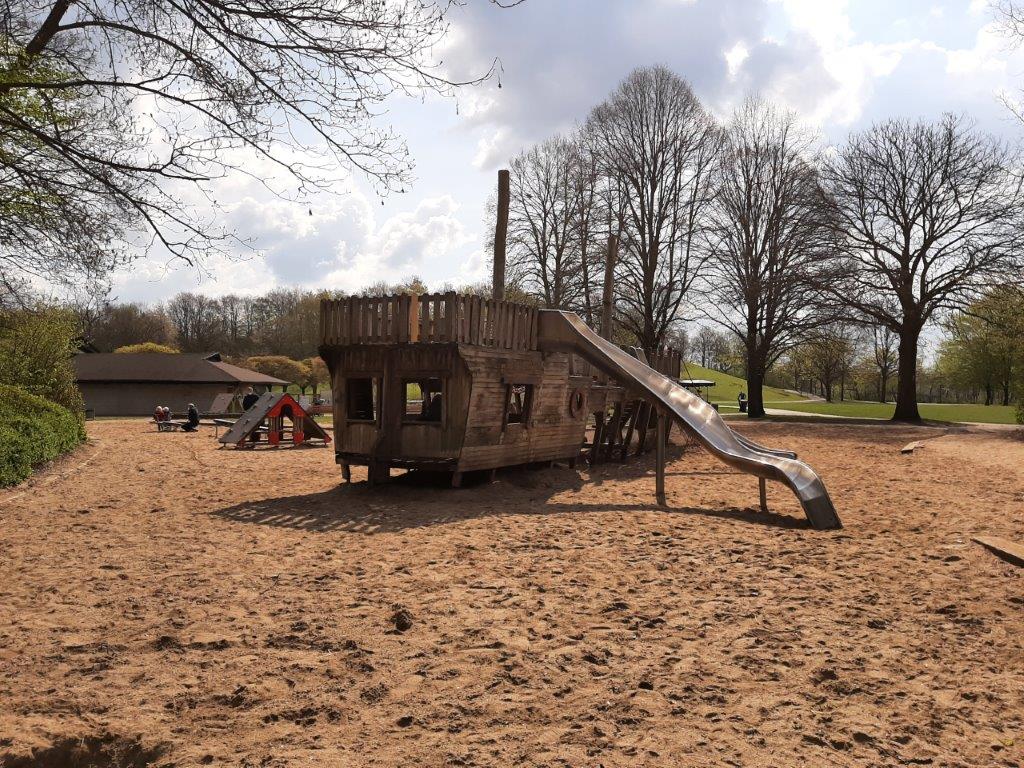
(728, 387)
(989, 414)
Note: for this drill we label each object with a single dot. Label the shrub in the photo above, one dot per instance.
(147, 346)
(36, 349)
(32, 431)
(279, 367)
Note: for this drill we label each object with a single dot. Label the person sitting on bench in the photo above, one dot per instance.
(192, 422)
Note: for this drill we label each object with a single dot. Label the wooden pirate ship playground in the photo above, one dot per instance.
(460, 383)
(457, 383)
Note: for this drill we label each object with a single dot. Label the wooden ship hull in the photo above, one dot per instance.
(503, 402)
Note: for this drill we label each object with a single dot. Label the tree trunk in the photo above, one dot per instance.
(884, 386)
(755, 394)
(988, 393)
(906, 385)
(1006, 393)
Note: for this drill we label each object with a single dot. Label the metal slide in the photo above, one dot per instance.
(566, 332)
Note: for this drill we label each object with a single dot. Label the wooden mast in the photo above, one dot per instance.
(500, 237)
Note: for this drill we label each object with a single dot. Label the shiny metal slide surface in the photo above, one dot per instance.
(566, 332)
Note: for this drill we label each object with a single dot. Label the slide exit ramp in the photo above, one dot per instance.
(566, 332)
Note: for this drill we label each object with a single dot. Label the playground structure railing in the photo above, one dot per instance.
(428, 318)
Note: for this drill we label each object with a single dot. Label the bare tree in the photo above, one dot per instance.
(770, 240)
(545, 254)
(829, 355)
(930, 213)
(114, 112)
(709, 345)
(656, 144)
(195, 320)
(590, 236)
(884, 346)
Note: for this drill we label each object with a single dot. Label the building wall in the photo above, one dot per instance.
(117, 399)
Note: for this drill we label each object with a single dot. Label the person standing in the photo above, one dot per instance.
(250, 399)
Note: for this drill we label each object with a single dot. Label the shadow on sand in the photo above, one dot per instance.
(418, 499)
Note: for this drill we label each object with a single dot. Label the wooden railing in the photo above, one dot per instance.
(666, 360)
(428, 318)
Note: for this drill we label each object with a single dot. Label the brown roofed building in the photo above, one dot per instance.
(123, 384)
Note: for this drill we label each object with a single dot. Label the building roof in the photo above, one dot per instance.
(164, 368)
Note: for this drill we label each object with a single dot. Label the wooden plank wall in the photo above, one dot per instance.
(391, 436)
(552, 431)
(428, 318)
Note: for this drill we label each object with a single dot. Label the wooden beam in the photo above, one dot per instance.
(501, 236)
(660, 458)
(763, 493)
(1009, 551)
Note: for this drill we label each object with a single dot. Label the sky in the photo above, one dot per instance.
(840, 64)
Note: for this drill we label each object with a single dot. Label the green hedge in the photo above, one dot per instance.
(32, 431)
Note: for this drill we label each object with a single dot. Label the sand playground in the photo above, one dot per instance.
(163, 602)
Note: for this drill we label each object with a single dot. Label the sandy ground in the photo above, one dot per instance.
(192, 606)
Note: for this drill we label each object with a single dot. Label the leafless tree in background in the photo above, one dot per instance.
(543, 233)
(884, 346)
(657, 146)
(711, 346)
(769, 240)
(591, 235)
(829, 355)
(1009, 16)
(930, 214)
(114, 113)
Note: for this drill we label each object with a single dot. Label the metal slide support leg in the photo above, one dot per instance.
(764, 493)
(660, 460)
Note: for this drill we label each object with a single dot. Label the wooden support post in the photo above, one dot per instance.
(500, 237)
(346, 472)
(630, 427)
(595, 447)
(660, 479)
(456, 479)
(763, 492)
(378, 472)
(614, 430)
(643, 426)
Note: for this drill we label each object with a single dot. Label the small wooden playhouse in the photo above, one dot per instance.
(458, 383)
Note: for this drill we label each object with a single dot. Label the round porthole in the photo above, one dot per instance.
(577, 399)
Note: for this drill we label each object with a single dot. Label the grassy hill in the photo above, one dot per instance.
(728, 387)
(988, 414)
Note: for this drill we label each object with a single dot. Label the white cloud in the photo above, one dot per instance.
(839, 64)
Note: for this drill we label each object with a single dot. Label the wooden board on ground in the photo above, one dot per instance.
(1008, 550)
(911, 447)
